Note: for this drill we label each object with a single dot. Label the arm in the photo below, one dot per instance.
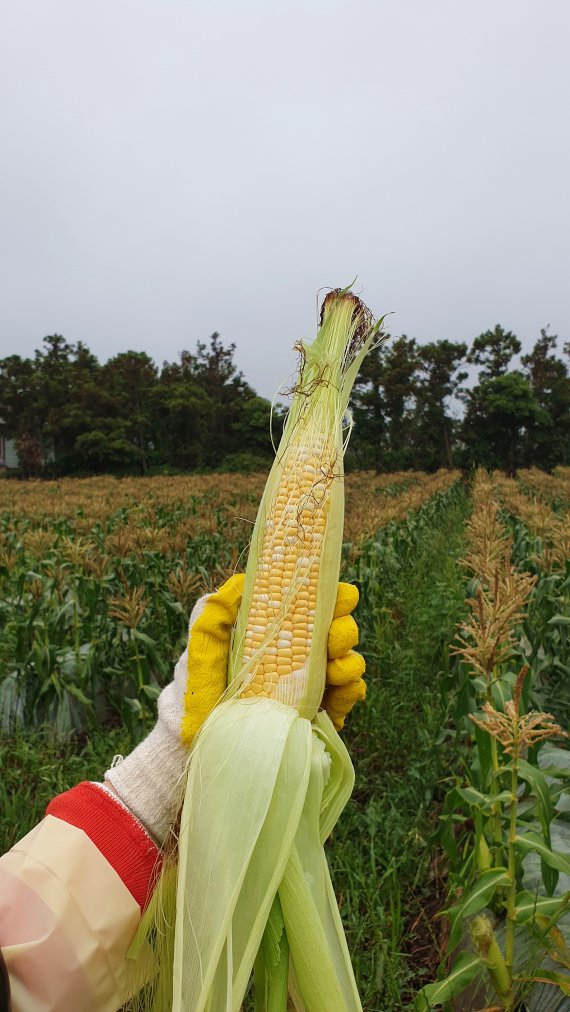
(71, 893)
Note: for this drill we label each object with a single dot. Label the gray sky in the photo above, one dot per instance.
(169, 168)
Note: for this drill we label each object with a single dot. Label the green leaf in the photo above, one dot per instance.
(151, 692)
(556, 772)
(462, 973)
(132, 704)
(485, 802)
(483, 890)
(502, 691)
(537, 782)
(559, 620)
(549, 875)
(561, 980)
(78, 694)
(534, 842)
(483, 740)
(474, 900)
(479, 685)
(143, 638)
(545, 811)
(528, 905)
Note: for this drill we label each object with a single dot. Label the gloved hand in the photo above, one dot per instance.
(208, 657)
(149, 780)
(345, 668)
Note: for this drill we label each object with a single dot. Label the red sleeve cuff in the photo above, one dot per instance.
(115, 832)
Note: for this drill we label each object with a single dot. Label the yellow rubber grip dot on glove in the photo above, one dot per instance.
(343, 636)
(348, 668)
(345, 667)
(346, 599)
(338, 700)
(208, 648)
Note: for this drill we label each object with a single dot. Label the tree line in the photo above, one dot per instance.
(441, 404)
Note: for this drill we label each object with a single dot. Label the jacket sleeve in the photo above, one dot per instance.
(71, 896)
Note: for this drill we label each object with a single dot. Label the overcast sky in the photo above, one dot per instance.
(169, 168)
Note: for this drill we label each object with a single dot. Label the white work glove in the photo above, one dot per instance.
(149, 780)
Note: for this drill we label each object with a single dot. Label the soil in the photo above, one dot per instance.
(426, 934)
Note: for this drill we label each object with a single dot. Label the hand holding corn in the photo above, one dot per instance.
(146, 780)
(209, 644)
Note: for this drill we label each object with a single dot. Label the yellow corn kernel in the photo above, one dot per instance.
(299, 512)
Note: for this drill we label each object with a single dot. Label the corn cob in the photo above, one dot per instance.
(289, 594)
(290, 550)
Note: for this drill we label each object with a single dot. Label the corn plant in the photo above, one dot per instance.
(502, 806)
(541, 545)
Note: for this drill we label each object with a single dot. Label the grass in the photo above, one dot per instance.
(35, 769)
(381, 861)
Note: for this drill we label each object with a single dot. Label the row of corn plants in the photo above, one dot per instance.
(496, 827)
(541, 545)
(98, 577)
(382, 862)
(550, 488)
(164, 513)
(91, 625)
(162, 500)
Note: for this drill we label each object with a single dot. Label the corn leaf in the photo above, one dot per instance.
(528, 905)
(532, 841)
(475, 899)
(560, 980)
(462, 973)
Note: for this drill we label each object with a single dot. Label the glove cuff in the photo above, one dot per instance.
(149, 780)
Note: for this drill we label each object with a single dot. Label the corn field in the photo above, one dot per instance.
(98, 578)
(451, 862)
